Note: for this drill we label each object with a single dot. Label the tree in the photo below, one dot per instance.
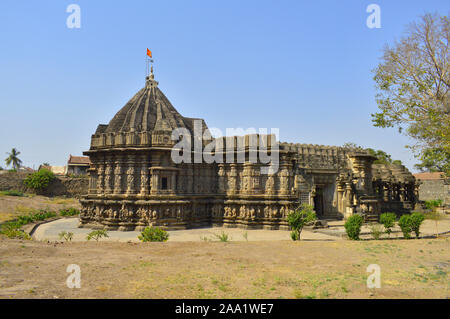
(382, 157)
(298, 218)
(14, 159)
(412, 82)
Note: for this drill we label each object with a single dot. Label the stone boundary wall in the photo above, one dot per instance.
(435, 189)
(60, 186)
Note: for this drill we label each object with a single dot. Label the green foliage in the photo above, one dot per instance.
(97, 234)
(13, 159)
(405, 222)
(67, 236)
(433, 204)
(12, 193)
(412, 84)
(39, 180)
(294, 235)
(382, 157)
(69, 211)
(353, 226)
(12, 232)
(298, 218)
(153, 234)
(376, 230)
(224, 237)
(416, 221)
(26, 219)
(388, 221)
(434, 160)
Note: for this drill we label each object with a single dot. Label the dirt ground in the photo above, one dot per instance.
(313, 268)
(279, 269)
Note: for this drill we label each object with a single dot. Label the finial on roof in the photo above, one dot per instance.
(150, 79)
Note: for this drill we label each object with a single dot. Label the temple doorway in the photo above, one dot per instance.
(318, 202)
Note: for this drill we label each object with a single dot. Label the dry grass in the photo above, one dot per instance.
(283, 269)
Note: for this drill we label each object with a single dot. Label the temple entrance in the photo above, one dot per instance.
(318, 202)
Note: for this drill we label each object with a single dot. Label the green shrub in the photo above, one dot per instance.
(67, 236)
(26, 219)
(353, 226)
(153, 234)
(97, 234)
(376, 230)
(12, 193)
(69, 212)
(42, 215)
(433, 203)
(405, 224)
(39, 180)
(416, 221)
(298, 218)
(388, 221)
(15, 233)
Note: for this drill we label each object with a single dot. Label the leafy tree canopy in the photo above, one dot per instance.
(412, 82)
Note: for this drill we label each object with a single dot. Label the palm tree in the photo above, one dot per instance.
(12, 158)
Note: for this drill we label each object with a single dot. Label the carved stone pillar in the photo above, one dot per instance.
(154, 181)
(92, 181)
(173, 184)
(118, 178)
(145, 185)
(232, 179)
(109, 176)
(101, 178)
(221, 173)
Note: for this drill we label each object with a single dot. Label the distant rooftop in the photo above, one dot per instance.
(78, 160)
(429, 176)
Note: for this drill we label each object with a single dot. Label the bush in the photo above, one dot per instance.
(39, 180)
(388, 221)
(294, 235)
(97, 234)
(299, 218)
(405, 223)
(153, 234)
(433, 204)
(15, 233)
(26, 219)
(376, 230)
(416, 221)
(353, 226)
(69, 211)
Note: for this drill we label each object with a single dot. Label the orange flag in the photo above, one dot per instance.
(149, 53)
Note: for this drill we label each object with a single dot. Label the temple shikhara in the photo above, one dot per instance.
(134, 181)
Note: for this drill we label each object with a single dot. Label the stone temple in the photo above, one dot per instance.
(134, 181)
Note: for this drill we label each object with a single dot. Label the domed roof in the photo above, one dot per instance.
(148, 109)
(147, 119)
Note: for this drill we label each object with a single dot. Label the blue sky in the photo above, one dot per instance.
(301, 66)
